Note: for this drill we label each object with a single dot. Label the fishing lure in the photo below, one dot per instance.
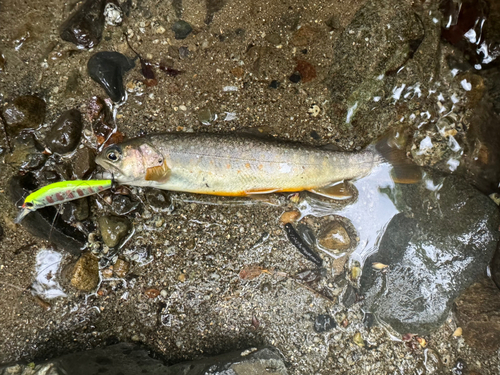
(61, 192)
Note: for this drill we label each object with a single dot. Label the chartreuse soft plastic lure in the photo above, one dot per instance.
(60, 192)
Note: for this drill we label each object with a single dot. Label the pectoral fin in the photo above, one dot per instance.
(339, 191)
(160, 173)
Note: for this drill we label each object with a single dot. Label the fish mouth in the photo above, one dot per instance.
(109, 171)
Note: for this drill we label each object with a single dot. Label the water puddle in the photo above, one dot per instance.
(47, 271)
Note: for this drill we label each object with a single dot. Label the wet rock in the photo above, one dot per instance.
(158, 200)
(85, 274)
(101, 118)
(27, 154)
(132, 359)
(435, 238)
(84, 28)
(334, 237)
(113, 14)
(24, 112)
(65, 134)
(123, 205)
(324, 323)
(113, 229)
(108, 69)
(181, 29)
(478, 313)
(83, 163)
(368, 49)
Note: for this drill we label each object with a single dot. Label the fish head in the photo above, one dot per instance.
(129, 162)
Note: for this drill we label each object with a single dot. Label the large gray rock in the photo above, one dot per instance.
(130, 359)
(440, 243)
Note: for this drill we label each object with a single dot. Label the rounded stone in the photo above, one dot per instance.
(181, 29)
(85, 273)
(65, 134)
(334, 237)
(107, 69)
(113, 229)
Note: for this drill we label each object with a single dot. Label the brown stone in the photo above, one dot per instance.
(478, 313)
(307, 70)
(85, 273)
(304, 36)
(121, 268)
(334, 237)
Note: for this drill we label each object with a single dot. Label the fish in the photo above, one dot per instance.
(232, 165)
(61, 192)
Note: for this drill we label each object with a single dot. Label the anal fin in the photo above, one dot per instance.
(338, 191)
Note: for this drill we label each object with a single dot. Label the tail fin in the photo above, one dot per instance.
(391, 147)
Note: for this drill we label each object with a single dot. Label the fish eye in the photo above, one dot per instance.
(113, 155)
(29, 204)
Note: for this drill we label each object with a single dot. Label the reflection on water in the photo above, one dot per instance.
(47, 270)
(369, 214)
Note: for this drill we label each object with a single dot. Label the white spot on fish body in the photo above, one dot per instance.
(285, 168)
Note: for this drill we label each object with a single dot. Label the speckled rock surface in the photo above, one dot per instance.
(426, 247)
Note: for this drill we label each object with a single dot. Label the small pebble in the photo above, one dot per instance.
(324, 323)
(113, 14)
(181, 29)
(295, 77)
(85, 273)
